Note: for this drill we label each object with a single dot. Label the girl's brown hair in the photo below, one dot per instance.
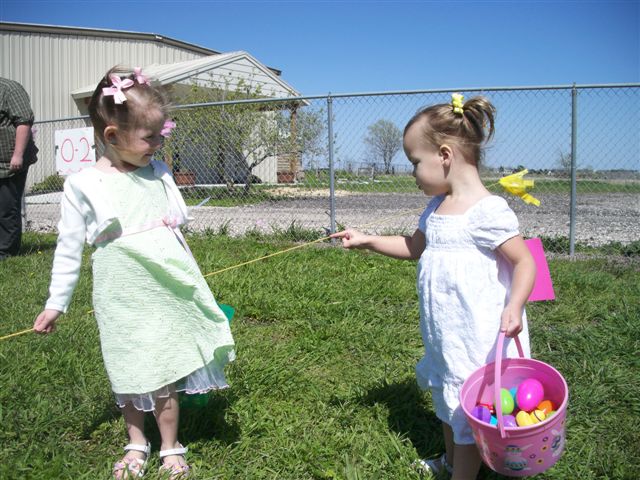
(468, 130)
(141, 99)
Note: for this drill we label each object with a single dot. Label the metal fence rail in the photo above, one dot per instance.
(323, 162)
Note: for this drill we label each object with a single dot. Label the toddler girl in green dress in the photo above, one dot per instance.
(161, 330)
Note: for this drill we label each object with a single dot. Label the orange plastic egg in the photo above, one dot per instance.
(546, 406)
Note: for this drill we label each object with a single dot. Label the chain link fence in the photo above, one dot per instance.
(316, 164)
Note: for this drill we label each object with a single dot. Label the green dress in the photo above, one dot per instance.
(161, 329)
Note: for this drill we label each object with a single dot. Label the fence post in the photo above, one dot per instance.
(332, 196)
(574, 163)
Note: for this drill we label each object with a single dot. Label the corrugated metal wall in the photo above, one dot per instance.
(49, 66)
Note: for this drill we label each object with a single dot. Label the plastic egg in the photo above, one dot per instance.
(493, 421)
(537, 416)
(513, 391)
(481, 413)
(546, 406)
(552, 412)
(489, 406)
(509, 421)
(523, 419)
(530, 394)
(506, 400)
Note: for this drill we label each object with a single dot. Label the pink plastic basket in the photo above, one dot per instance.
(516, 451)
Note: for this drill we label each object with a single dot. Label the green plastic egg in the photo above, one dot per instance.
(506, 401)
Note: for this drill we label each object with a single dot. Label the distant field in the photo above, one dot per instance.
(221, 197)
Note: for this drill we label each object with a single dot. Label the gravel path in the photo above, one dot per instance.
(600, 218)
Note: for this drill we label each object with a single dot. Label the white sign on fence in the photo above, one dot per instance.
(75, 150)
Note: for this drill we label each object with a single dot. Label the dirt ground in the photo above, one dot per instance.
(600, 218)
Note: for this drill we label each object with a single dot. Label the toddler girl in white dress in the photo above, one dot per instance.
(475, 272)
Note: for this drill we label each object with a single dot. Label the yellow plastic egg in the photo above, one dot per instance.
(537, 416)
(523, 419)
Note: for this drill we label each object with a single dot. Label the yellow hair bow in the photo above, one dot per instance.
(456, 103)
(516, 185)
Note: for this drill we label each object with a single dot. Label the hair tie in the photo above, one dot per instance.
(457, 103)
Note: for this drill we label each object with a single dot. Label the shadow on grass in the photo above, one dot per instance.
(205, 422)
(209, 422)
(196, 423)
(409, 415)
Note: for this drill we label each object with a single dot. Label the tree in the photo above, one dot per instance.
(564, 162)
(233, 136)
(384, 140)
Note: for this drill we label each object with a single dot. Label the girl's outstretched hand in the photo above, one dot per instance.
(351, 238)
(511, 321)
(46, 321)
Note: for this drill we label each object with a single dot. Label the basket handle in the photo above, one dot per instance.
(497, 379)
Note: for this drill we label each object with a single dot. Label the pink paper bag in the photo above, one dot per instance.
(543, 288)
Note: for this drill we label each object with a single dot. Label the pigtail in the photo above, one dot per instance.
(478, 120)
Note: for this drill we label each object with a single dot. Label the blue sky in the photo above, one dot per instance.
(343, 47)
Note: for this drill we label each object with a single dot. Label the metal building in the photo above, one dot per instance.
(60, 66)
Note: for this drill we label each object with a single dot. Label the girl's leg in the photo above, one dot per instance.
(134, 419)
(133, 462)
(466, 464)
(448, 442)
(167, 415)
(465, 459)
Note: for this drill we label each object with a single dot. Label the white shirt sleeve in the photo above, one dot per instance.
(68, 255)
(493, 223)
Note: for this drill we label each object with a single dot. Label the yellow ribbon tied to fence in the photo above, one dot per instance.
(516, 185)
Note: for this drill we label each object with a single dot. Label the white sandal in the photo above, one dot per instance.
(433, 466)
(176, 471)
(132, 467)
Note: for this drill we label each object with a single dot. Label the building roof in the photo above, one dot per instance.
(170, 73)
(107, 33)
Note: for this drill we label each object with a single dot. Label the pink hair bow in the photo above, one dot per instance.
(116, 88)
(142, 79)
(167, 127)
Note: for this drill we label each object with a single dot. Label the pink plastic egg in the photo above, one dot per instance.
(530, 393)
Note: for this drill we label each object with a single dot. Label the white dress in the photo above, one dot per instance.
(463, 286)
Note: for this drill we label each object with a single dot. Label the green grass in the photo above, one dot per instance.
(258, 193)
(52, 183)
(561, 245)
(223, 197)
(583, 186)
(406, 183)
(324, 386)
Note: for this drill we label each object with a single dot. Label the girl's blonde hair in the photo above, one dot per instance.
(468, 130)
(142, 98)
